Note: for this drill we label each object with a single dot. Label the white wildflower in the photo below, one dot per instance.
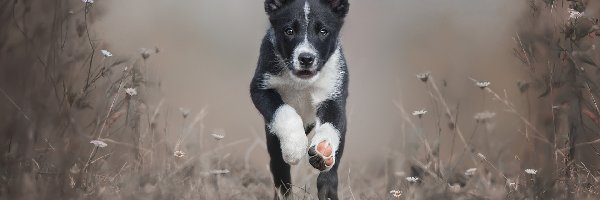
(75, 169)
(87, 1)
(454, 187)
(99, 143)
(423, 76)
(531, 171)
(419, 113)
(396, 193)
(484, 116)
(470, 171)
(512, 184)
(217, 136)
(184, 111)
(480, 155)
(146, 53)
(219, 171)
(482, 84)
(105, 53)
(412, 179)
(131, 91)
(179, 154)
(573, 14)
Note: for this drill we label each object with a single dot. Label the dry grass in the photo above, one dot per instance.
(61, 93)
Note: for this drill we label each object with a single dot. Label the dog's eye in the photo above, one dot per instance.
(289, 31)
(324, 32)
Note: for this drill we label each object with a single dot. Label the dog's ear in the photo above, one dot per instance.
(340, 7)
(274, 5)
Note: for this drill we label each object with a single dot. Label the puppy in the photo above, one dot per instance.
(300, 86)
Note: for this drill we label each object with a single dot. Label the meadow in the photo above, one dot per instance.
(81, 117)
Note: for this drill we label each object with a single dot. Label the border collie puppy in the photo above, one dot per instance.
(300, 86)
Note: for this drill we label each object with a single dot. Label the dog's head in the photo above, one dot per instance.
(305, 32)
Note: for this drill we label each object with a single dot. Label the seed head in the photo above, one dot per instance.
(412, 179)
(184, 112)
(217, 136)
(419, 113)
(482, 84)
(131, 91)
(179, 154)
(574, 14)
(424, 76)
(104, 52)
(470, 171)
(99, 143)
(484, 116)
(396, 193)
(531, 171)
(480, 155)
(512, 184)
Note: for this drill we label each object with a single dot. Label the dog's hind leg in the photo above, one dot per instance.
(279, 169)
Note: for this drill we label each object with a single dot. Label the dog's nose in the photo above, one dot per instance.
(306, 59)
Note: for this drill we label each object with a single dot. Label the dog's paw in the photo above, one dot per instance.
(321, 156)
(293, 148)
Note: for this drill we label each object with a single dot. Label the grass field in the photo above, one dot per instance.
(78, 121)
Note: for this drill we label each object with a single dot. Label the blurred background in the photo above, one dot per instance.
(209, 52)
(191, 62)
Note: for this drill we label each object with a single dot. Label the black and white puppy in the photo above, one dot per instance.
(301, 85)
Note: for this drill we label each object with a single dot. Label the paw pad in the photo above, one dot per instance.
(321, 156)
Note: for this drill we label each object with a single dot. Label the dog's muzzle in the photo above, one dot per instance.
(307, 68)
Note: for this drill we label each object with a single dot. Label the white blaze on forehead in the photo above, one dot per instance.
(306, 11)
(305, 46)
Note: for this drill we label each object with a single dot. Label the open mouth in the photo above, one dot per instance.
(305, 74)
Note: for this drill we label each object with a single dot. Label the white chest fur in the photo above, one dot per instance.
(301, 100)
(306, 95)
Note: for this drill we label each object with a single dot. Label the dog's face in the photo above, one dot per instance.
(305, 33)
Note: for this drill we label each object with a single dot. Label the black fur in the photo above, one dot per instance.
(322, 17)
(276, 56)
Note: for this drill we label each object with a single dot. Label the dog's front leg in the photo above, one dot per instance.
(286, 139)
(327, 146)
(288, 127)
(282, 119)
(327, 142)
